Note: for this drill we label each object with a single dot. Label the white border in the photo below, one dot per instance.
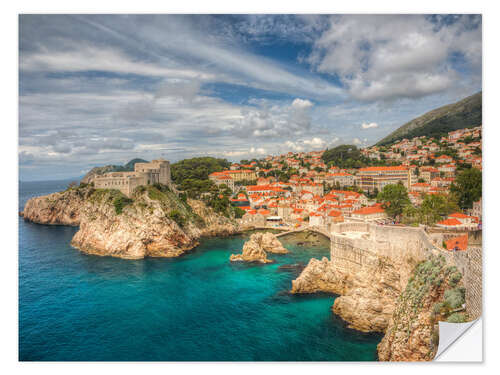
(491, 33)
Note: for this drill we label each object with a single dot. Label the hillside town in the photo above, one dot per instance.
(300, 189)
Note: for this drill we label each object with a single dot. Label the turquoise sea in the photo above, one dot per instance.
(199, 307)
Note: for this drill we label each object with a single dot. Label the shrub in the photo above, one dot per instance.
(457, 318)
(120, 202)
(176, 216)
(437, 308)
(455, 278)
(238, 212)
(183, 197)
(455, 297)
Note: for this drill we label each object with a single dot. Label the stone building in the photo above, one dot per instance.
(372, 178)
(157, 171)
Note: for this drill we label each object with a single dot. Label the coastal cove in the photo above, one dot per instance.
(198, 307)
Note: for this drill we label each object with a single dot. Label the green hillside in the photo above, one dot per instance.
(465, 113)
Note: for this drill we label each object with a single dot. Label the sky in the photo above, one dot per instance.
(103, 89)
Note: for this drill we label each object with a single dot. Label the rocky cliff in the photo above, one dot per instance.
(366, 299)
(257, 247)
(153, 223)
(62, 208)
(398, 290)
(433, 293)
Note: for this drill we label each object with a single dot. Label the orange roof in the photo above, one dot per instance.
(458, 215)
(459, 243)
(375, 169)
(334, 213)
(369, 210)
(263, 211)
(449, 222)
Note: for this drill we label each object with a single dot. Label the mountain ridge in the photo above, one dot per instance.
(462, 114)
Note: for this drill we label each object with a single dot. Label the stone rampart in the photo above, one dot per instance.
(404, 247)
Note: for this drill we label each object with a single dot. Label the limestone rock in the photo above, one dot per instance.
(62, 208)
(270, 243)
(412, 332)
(143, 228)
(318, 276)
(255, 249)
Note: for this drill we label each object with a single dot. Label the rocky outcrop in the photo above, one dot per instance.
(152, 224)
(270, 243)
(432, 294)
(367, 297)
(389, 285)
(62, 208)
(256, 249)
(318, 276)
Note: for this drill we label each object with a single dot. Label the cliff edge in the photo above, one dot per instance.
(154, 222)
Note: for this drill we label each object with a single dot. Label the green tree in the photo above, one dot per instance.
(238, 212)
(394, 199)
(435, 207)
(468, 187)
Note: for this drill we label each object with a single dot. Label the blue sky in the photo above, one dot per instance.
(103, 89)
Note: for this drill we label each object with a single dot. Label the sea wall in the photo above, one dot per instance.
(397, 244)
(370, 267)
(405, 247)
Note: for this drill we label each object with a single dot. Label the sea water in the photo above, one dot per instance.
(198, 307)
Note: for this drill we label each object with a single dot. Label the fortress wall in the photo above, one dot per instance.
(349, 227)
(470, 263)
(391, 242)
(403, 246)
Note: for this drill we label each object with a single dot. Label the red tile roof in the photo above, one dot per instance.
(458, 215)
(369, 210)
(449, 222)
(459, 243)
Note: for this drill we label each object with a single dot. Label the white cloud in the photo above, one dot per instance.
(258, 151)
(394, 56)
(301, 103)
(315, 142)
(271, 119)
(85, 58)
(370, 125)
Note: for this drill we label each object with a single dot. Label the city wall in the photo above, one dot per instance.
(360, 245)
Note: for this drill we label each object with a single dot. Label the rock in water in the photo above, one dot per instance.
(318, 276)
(255, 249)
(271, 244)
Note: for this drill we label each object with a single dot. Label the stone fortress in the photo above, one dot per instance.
(157, 171)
